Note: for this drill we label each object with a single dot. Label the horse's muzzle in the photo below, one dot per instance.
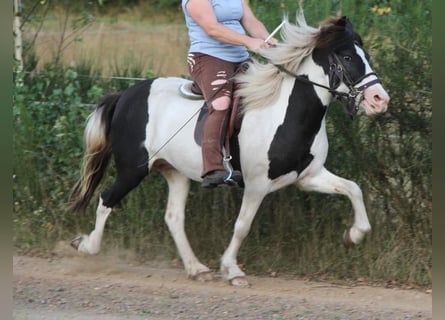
(376, 100)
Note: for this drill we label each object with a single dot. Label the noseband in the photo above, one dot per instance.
(338, 74)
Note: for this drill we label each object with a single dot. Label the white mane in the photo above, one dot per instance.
(260, 84)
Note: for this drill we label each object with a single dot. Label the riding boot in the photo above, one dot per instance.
(213, 171)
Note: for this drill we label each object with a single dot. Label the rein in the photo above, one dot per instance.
(338, 74)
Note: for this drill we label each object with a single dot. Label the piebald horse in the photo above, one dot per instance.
(281, 140)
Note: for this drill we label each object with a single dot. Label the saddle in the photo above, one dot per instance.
(190, 91)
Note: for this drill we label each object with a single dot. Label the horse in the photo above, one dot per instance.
(280, 141)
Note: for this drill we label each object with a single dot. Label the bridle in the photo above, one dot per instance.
(338, 74)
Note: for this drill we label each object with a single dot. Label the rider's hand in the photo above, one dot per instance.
(254, 44)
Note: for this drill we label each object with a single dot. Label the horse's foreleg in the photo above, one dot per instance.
(229, 266)
(91, 243)
(179, 186)
(326, 182)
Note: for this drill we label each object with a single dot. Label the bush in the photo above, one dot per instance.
(48, 130)
(389, 156)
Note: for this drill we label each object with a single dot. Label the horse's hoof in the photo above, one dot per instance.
(76, 242)
(347, 241)
(239, 282)
(203, 276)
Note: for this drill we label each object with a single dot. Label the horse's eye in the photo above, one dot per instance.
(347, 58)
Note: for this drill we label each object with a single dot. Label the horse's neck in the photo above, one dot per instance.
(316, 74)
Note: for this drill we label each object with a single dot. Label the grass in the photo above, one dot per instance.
(128, 40)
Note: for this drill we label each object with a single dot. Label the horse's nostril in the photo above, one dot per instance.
(381, 100)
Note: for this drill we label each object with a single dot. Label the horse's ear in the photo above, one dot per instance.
(333, 32)
(342, 21)
(346, 24)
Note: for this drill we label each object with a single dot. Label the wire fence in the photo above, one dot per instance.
(79, 77)
(91, 77)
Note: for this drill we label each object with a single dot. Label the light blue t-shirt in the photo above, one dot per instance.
(229, 13)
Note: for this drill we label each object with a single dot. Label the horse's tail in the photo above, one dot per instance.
(97, 153)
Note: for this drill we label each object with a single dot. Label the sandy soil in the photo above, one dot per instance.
(73, 286)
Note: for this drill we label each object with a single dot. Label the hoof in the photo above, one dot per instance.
(239, 282)
(347, 241)
(204, 276)
(76, 242)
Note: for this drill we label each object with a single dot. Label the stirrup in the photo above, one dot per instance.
(221, 177)
(230, 179)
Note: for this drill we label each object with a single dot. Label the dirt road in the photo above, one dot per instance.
(72, 286)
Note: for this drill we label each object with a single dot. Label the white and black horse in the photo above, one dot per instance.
(281, 141)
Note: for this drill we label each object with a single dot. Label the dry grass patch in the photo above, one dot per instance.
(112, 46)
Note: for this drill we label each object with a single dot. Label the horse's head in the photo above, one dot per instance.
(347, 64)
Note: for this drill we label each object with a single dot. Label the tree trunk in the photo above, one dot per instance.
(18, 42)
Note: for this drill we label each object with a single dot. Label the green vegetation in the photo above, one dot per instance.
(389, 156)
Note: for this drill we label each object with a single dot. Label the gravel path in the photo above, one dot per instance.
(104, 287)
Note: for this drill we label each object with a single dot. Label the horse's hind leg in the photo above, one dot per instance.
(129, 175)
(326, 182)
(91, 243)
(179, 186)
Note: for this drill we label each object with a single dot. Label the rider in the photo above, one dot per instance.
(218, 45)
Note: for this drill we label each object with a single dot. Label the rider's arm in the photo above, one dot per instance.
(202, 12)
(251, 23)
